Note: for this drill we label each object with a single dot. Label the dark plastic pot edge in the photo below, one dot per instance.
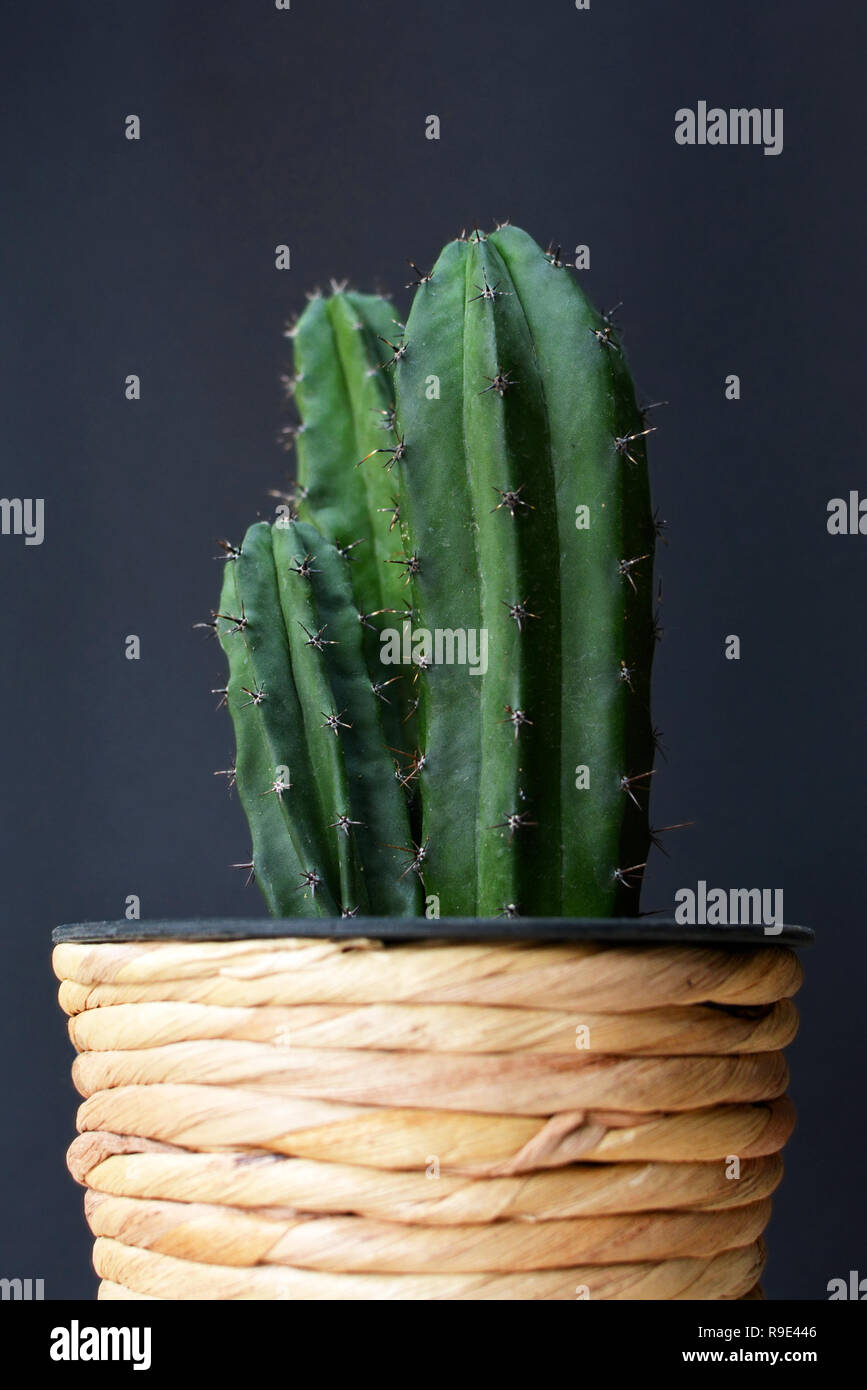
(619, 930)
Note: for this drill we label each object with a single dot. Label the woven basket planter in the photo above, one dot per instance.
(596, 1112)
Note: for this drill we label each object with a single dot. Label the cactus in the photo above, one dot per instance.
(518, 450)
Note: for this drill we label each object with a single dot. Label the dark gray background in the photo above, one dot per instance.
(307, 127)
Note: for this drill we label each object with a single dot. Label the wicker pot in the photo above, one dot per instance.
(546, 1110)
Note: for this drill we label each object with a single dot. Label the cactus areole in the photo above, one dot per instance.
(440, 654)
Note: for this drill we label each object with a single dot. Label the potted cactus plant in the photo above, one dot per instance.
(457, 1064)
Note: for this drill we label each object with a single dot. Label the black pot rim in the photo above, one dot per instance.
(606, 930)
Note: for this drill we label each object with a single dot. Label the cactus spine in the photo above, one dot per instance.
(524, 514)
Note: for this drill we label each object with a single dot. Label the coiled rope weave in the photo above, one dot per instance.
(299, 1119)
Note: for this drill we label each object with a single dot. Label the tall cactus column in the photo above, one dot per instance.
(526, 507)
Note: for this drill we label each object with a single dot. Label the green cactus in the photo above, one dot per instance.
(524, 514)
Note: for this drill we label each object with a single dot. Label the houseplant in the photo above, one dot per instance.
(457, 1064)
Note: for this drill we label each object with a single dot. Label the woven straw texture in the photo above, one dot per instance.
(297, 1119)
